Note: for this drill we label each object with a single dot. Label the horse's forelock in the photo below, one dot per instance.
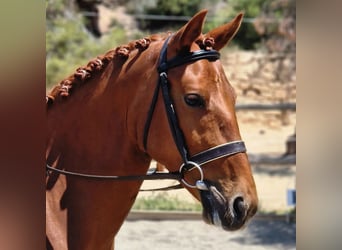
(206, 43)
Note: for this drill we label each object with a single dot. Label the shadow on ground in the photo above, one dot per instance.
(269, 232)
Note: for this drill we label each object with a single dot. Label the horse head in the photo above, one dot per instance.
(204, 123)
(105, 121)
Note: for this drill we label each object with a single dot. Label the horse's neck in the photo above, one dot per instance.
(99, 123)
(89, 133)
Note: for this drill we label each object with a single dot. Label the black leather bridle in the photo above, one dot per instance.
(211, 154)
(189, 162)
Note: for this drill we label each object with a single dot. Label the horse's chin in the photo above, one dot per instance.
(218, 211)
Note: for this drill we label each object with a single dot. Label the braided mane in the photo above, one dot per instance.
(98, 64)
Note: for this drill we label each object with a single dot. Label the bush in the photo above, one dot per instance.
(69, 45)
(170, 8)
(247, 37)
(271, 13)
(175, 7)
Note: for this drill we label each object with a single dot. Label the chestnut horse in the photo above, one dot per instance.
(164, 97)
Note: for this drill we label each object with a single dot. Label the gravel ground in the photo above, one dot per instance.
(260, 234)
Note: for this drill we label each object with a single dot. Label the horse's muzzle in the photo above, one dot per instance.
(229, 214)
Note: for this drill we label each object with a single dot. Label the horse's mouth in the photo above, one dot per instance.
(228, 214)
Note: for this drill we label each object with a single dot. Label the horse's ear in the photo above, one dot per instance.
(189, 33)
(223, 34)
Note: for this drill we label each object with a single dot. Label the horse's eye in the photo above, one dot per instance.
(194, 100)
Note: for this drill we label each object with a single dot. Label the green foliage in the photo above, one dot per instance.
(175, 7)
(274, 10)
(162, 201)
(170, 8)
(247, 37)
(55, 8)
(251, 8)
(69, 45)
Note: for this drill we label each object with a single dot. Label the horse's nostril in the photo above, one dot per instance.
(239, 208)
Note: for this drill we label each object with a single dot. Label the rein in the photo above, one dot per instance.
(189, 162)
(152, 176)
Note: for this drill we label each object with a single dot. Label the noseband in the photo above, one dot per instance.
(195, 161)
(189, 162)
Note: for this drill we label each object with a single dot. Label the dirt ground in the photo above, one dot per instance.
(196, 235)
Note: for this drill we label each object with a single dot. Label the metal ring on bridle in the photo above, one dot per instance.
(194, 165)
